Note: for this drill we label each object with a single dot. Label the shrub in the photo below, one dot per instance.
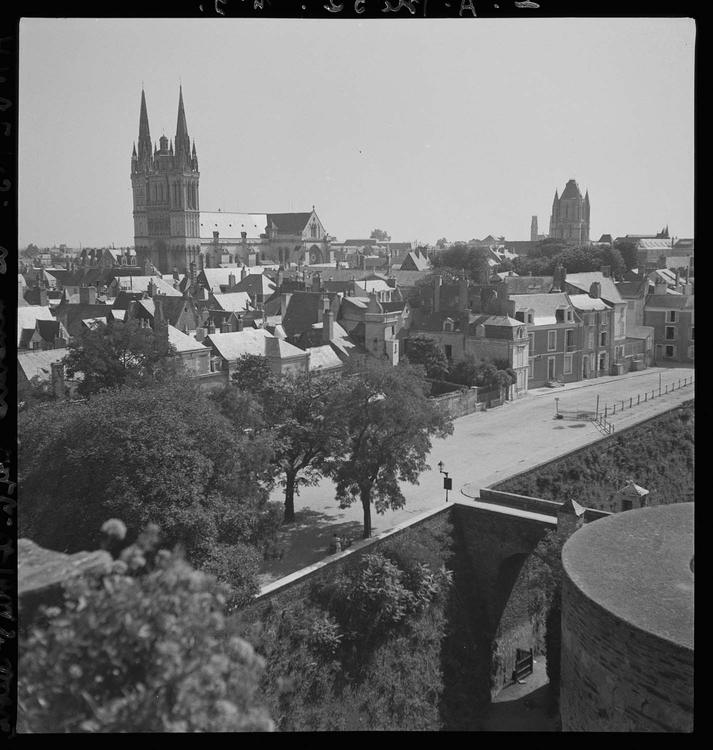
(148, 653)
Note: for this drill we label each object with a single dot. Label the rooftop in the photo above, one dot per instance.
(638, 566)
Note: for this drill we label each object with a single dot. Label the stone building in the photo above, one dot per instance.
(172, 233)
(570, 215)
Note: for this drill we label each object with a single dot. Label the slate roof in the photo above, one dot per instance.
(632, 289)
(230, 225)
(413, 262)
(543, 305)
(256, 284)
(585, 302)
(182, 342)
(302, 312)
(670, 301)
(233, 301)
(27, 317)
(141, 283)
(39, 363)
(323, 358)
(232, 345)
(72, 315)
(502, 321)
(584, 281)
(290, 223)
(408, 278)
(528, 284)
(653, 244)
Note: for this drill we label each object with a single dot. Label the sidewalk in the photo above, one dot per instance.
(604, 379)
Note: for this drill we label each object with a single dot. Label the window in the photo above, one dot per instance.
(551, 340)
(603, 320)
(626, 504)
(530, 317)
(670, 332)
(603, 338)
(570, 316)
(567, 364)
(692, 331)
(531, 368)
(669, 351)
(569, 339)
(449, 351)
(590, 340)
(671, 316)
(531, 338)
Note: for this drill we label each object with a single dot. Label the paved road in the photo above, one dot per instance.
(484, 448)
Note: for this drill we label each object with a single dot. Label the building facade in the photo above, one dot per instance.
(170, 231)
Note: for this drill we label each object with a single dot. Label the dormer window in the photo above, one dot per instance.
(520, 316)
(448, 324)
(570, 316)
(530, 317)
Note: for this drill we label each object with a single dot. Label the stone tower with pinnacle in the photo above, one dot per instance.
(164, 181)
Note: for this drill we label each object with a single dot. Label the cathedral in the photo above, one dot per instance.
(570, 215)
(173, 234)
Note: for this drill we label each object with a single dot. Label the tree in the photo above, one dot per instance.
(109, 356)
(149, 653)
(460, 257)
(628, 250)
(161, 454)
(387, 423)
(293, 409)
(380, 235)
(425, 351)
(441, 243)
(31, 251)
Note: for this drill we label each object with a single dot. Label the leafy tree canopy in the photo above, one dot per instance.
(461, 257)
(149, 653)
(380, 235)
(109, 356)
(425, 351)
(387, 423)
(161, 454)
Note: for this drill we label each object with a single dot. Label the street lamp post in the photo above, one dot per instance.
(447, 481)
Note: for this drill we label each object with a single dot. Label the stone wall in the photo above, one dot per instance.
(466, 401)
(616, 677)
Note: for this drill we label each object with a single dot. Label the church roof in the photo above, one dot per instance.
(571, 190)
(290, 223)
(230, 225)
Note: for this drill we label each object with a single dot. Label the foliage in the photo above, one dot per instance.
(657, 455)
(425, 351)
(31, 251)
(33, 392)
(460, 258)
(380, 235)
(442, 242)
(484, 374)
(362, 651)
(150, 653)
(292, 408)
(386, 423)
(160, 454)
(628, 251)
(110, 356)
(543, 260)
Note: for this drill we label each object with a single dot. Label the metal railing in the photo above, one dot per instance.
(618, 406)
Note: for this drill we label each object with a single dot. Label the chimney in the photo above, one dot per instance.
(595, 290)
(231, 281)
(327, 326)
(316, 283)
(43, 297)
(87, 295)
(225, 327)
(176, 275)
(240, 323)
(676, 286)
(605, 271)
(437, 293)
(660, 287)
(463, 291)
(280, 277)
(211, 327)
(57, 369)
(243, 272)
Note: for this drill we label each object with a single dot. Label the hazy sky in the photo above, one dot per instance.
(425, 128)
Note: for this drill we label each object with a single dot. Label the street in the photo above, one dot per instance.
(485, 447)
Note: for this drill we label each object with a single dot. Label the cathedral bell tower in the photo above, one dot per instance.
(165, 191)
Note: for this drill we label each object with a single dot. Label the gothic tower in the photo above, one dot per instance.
(570, 215)
(533, 229)
(165, 191)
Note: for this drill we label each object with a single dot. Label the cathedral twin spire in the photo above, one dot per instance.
(180, 146)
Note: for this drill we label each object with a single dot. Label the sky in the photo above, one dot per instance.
(455, 128)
